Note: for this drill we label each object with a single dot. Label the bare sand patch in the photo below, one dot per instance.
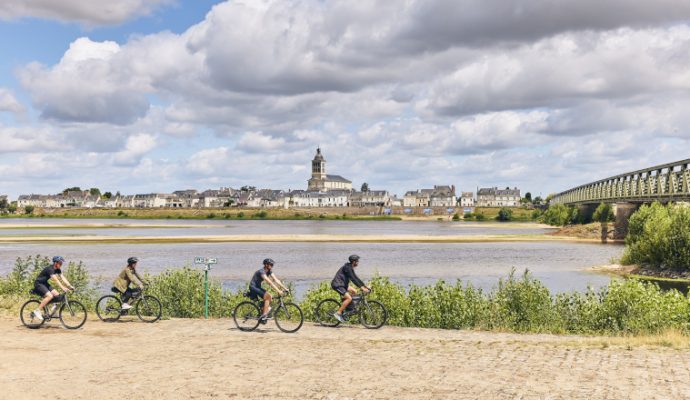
(293, 238)
(198, 359)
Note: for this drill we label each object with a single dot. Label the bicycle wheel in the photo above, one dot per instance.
(289, 318)
(149, 309)
(108, 308)
(27, 316)
(72, 314)
(325, 310)
(246, 316)
(373, 314)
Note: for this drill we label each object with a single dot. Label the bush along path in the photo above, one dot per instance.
(519, 303)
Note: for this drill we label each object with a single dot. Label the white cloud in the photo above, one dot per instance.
(8, 102)
(87, 12)
(137, 146)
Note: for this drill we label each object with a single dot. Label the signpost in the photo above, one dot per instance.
(207, 262)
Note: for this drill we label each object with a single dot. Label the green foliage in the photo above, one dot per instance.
(3, 203)
(240, 215)
(12, 209)
(28, 209)
(364, 188)
(261, 214)
(20, 281)
(181, 291)
(71, 189)
(560, 215)
(95, 192)
(659, 237)
(603, 213)
(524, 304)
(504, 214)
(456, 217)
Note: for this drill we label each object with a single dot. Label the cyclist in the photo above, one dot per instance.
(125, 278)
(341, 284)
(43, 288)
(257, 292)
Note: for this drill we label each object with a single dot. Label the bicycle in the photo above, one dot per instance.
(287, 315)
(72, 314)
(372, 314)
(147, 307)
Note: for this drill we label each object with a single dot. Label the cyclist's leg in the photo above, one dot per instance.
(47, 292)
(346, 298)
(127, 295)
(261, 293)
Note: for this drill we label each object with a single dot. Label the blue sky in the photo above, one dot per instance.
(155, 96)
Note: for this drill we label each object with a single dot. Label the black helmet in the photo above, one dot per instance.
(269, 261)
(353, 258)
(132, 260)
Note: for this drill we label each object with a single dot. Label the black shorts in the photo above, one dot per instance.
(256, 292)
(42, 289)
(340, 289)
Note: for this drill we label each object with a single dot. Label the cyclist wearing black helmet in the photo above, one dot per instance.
(42, 285)
(126, 277)
(257, 292)
(341, 284)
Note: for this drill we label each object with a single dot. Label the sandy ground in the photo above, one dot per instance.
(292, 238)
(197, 359)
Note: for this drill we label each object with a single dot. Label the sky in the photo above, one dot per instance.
(143, 96)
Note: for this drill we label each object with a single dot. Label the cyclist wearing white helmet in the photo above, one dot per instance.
(42, 285)
(126, 277)
(256, 292)
(341, 284)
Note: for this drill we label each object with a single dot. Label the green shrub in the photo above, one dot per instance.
(659, 237)
(261, 214)
(504, 214)
(603, 213)
(560, 215)
(456, 217)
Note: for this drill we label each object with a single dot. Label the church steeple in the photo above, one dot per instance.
(318, 165)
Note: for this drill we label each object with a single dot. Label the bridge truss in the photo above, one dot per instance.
(663, 183)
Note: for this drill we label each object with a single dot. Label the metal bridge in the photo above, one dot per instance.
(663, 183)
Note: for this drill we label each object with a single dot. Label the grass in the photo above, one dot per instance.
(203, 214)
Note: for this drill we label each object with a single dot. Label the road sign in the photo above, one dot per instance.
(207, 261)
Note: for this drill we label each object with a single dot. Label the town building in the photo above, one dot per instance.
(467, 199)
(322, 182)
(439, 196)
(494, 197)
(378, 198)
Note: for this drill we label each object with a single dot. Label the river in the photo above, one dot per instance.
(561, 266)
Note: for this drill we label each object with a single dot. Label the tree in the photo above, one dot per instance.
(528, 197)
(537, 201)
(3, 203)
(72, 189)
(95, 192)
(29, 209)
(107, 195)
(504, 214)
(364, 188)
(247, 188)
(12, 208)
(603, 213)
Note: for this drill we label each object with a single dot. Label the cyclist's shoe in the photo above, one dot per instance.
(37, 314)
(339, 317)
(126, 306)
(52, 309)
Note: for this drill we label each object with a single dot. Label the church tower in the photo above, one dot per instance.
(318, 166)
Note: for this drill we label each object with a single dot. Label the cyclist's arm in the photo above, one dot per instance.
(355, 279)
(270, 282)
(141, 280)
(131, 276)
(60, 278)
(279, 283)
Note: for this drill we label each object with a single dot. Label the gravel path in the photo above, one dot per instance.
(197, 359)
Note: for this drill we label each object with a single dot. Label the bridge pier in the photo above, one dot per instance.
(623, 211)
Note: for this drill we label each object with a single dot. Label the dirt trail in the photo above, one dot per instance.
(197, 359)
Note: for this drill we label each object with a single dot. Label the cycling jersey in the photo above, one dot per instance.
(345, 274)
(258, 278)
(45, 275)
